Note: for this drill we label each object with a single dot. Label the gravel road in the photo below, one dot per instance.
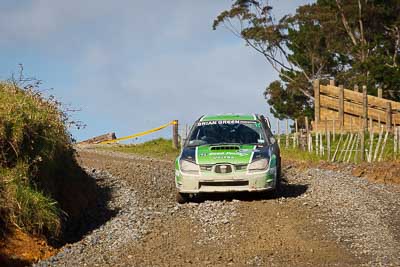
(322, 218)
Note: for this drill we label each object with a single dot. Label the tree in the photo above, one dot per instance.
(330, 38)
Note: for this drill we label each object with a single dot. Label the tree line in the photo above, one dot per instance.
(354, 41)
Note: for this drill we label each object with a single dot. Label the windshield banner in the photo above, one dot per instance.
(203, 123)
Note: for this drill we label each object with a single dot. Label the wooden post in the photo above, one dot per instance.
(332, 82)
(356, 149)
(356, 88)
(388, 116)
(371, 126)
(380, 92)
(365, 108)
(306, 122)
(287, 134)
(333, 129)
(341, 105)
(362, 145)
(279, 131)
(321, 145)
(378, 144)
(328, 145)
(395, 141)
(371, 146)
(175, 141)
(316, 102)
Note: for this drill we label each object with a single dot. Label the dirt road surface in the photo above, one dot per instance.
(322, 218)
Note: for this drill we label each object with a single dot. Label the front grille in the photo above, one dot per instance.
(225, 148)
(223, 169)
(225, 183)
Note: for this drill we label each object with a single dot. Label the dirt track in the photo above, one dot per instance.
(316, 221)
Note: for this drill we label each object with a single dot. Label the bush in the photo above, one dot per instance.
(36, 161)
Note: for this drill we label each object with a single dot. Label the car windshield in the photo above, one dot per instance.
(226, 132)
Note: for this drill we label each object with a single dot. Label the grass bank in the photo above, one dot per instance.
(40, 181)
(158, 148)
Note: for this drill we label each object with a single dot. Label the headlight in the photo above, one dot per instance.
(258, 165)
(189, 167)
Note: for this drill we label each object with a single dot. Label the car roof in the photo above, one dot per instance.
(240, 117)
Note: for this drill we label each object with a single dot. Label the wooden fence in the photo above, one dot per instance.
(343, 110)
(349, 126)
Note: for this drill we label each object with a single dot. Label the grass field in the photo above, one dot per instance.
(158, 148)
(346, 151)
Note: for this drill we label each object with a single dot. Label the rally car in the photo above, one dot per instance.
(228, 153)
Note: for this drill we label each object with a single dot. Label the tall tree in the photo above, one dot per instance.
(355, 41)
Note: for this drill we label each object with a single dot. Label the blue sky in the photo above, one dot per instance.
(134, 65)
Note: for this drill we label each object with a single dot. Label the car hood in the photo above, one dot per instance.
(233, 154)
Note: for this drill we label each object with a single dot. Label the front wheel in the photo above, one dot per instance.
(182, 198)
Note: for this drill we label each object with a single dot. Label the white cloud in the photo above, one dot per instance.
(137, 64)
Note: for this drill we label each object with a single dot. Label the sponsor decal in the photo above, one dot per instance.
(221, 122)
(223, 157)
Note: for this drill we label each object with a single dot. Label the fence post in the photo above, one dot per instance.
(333, 129)
(356, 88)
(306, 123)
(332, 82)
(380, 92)
(362, 145)
(371, 126)
(328, 145)
(341, 105)
(279, 131)
(175, 141)
(365, 108)
(388, 116)
(395, 140)
(316, 102)
(287, 133)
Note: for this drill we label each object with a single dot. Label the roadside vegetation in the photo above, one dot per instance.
(158, 148)
(37, 164)
(320, 40)
(345, 152)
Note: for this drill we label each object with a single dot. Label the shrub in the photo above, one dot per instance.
(36, 162)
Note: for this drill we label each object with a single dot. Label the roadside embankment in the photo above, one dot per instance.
(43, 191)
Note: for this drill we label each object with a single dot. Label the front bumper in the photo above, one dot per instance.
(244, 182)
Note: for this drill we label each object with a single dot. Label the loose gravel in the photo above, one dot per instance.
(322, 218)
(363, 215)
(125, 227)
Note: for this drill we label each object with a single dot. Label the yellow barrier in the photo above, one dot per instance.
(139, 134)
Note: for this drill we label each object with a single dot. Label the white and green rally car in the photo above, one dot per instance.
(228, 153)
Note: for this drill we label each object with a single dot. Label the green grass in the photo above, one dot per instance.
(159, 148)
(299, 154)
(33, 137)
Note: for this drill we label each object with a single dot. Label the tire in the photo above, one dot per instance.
(182, 198)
